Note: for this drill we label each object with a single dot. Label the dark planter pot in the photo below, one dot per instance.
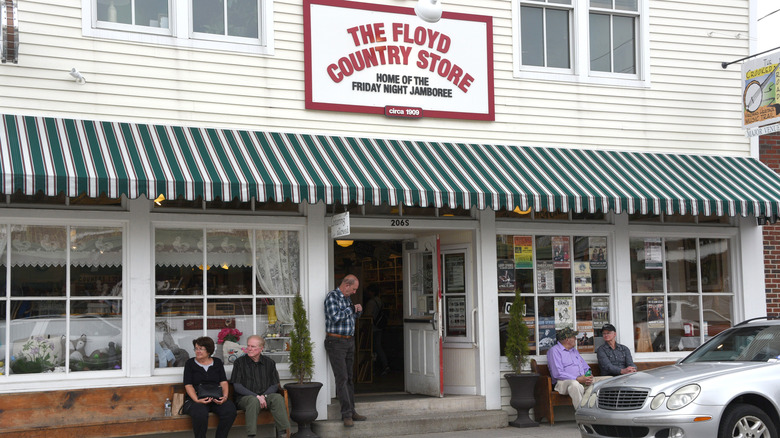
(303, 406)
(523, 399)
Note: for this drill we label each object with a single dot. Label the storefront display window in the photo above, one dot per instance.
(65, 298)
(563, 282)
(208, 280)
(682, 292)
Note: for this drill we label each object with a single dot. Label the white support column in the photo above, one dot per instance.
(750, 265)
(622, 315)
(138, 291)
(316, 275)
(487, 300)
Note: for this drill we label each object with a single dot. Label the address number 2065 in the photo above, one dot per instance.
(399, 222)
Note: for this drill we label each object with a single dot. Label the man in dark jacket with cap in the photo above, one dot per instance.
(614, 359)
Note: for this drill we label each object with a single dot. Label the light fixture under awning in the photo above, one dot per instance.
(77, 156)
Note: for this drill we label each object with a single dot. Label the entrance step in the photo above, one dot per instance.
(404, 414)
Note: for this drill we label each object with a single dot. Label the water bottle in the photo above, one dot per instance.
(167, 407)
(588, 373)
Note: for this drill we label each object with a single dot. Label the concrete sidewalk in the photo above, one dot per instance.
(561, 429)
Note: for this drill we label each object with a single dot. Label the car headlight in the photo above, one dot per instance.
(683, 396)
(594, 397)
(657, 401)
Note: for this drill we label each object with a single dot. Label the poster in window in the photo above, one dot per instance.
(597, 252)
(455, 270)
(655, 312)
(523, 252)
(530, 321)
(546, 333)
(545, 277)
(583, 282)
(506, 276)
(600, 309)
(653, 253)
(585, 337)
(560, 248)
(456, 314)
(564, 313)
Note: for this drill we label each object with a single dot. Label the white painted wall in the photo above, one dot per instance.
(692, 105)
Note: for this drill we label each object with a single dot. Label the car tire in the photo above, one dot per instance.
(742, 419)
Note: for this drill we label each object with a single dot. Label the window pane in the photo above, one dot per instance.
(646, 268)
(606, 4)
(178, 261)
(557, 38)
(715, 266)
(229, 255)
(151, 13)
(624, 45)
(38, 261)
(546, 323)
(177, 323)
(532, 36)
(97, 342)
(600, 56)
(684, 323)
(242, 18)
(273, 328)
(37, 343)
(560, 2)
(454, 294)
(649, 324)
(2, 334)
(681, 265)
(208, 16)
(717, 314)
(96, 261)
(626, 5)
(115, 11)
(504, 304)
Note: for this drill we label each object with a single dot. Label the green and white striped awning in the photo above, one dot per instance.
(75, 157)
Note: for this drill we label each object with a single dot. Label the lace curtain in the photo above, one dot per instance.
(278, 268)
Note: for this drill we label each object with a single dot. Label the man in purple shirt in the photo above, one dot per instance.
(568, 368)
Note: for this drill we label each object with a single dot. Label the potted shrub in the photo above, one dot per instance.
(303, 393)
(521, 383)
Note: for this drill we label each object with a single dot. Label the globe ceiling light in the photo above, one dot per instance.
(428, 10)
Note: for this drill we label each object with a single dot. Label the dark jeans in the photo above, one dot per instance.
(341, 353)
(200, 418)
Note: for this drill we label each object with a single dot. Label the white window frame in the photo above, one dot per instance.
(179, 33)
(580, 51)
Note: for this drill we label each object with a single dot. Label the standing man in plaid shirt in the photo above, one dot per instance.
(340, 316)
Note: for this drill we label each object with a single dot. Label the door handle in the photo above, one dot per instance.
(474, 327)
(433, 323)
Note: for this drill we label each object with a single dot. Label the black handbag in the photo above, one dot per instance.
(206, 390)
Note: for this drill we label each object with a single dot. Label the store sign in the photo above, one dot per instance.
(382, 59)
(340, 225)
(761, 106)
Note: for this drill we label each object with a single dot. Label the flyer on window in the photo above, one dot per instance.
(546, 333)
(564, 313)
(600, 309)
(506, 276)
(545, 277)
(653, 253)
(560, 247)
(530, 321)
(655, 312)
(585, 336)
(583, 282)
(523, 252)
(597, 252)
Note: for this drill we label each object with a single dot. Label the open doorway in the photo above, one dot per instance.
(378, 266)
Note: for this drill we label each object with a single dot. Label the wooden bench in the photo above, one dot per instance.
(100, 412)
(547, 398)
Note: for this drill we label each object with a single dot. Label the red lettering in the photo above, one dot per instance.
(444, 44)
(334, 73)
(466, 82)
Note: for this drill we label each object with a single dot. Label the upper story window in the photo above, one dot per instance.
(545, 38)
(231, 25)
(598, 41)
(612, 30)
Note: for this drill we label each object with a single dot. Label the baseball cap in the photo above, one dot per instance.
(565, 333)
(608, 328)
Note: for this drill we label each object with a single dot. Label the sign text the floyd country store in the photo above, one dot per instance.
(384, 59)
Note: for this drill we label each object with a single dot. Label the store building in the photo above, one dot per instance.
(605, 175)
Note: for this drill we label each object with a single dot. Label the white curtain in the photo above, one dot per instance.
(278, 268)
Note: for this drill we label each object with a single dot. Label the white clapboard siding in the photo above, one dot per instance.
(691, 106)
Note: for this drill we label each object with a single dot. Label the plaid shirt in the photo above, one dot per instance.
(339, 316)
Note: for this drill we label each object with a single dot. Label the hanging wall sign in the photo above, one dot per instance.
(383, 59)
(760, 102)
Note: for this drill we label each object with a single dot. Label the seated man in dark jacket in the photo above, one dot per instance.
(255, 383)
(614, 359)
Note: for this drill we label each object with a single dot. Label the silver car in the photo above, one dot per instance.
(728, 387)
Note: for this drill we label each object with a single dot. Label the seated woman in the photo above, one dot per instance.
(204, 369)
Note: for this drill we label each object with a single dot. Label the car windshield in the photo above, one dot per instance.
(755, 343)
